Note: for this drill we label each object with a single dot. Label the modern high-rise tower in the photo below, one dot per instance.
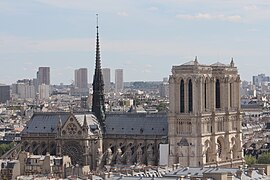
(81, 82)
(119, 82)
(81, 78)
(4, 93)
(43, 75)
(107, 79)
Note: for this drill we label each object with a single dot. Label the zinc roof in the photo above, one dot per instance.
(137, 124)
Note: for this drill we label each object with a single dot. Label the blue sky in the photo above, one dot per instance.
(145, 38)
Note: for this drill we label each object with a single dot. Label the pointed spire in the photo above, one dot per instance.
(59, 126)
(98, 107)
(232, 63)
(59, 122)
(85, 122)
(196, 61)
(98, 63)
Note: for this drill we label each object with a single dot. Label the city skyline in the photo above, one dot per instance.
(143, 38)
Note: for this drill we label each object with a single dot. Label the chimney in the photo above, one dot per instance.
(174, 167)
(239, 173)
(261, 171)
(106, 176)
(249, 171)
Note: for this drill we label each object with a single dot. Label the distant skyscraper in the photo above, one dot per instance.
(107, 79)
(4, 93)
(81, 78)
(44, 91)
(24, 89)
(119, 82)
(260, 79)
(81, 82)
(43, 75)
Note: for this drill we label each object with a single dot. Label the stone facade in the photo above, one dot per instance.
(205, 117)
(130, 138)
(76, 135)
(43, 164)
(134, 138)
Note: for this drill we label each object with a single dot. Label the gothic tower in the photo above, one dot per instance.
(98, 107)
(205, 118)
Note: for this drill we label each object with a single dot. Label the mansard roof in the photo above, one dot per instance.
(47, 122)
(137, 124)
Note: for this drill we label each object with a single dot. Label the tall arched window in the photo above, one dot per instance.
(182, 96)
(231, 95)
(205, 95)
(217, 94)
(190, 98)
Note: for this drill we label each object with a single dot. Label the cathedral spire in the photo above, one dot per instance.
(98, 107)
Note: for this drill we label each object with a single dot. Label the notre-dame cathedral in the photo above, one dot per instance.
(202, 127)
(205, 121)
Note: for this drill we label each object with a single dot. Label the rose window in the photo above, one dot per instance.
(71, 128)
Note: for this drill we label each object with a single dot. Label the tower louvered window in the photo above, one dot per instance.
(217, 94)
(182, 96)
(205, 95)
(190, 97)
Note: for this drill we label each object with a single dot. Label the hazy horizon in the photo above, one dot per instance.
(145, 38)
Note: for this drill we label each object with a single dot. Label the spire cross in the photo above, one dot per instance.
(97, 20)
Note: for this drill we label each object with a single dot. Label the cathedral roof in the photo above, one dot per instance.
(116, 123)
(47, 122)
(218, 64)
(137, 124)
(91, 120)
(190, 63)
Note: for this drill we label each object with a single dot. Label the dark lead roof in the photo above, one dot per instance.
(45, 122)
(116, 123)
(137, 124)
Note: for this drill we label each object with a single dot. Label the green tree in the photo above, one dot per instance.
(264, 158)
(161, 107)
(5, 148)
(250, 160)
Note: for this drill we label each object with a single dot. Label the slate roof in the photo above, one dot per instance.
(91, 122)
(190, 63)
(218, 64)
(137, 124)
(47, 122)
(116, 123)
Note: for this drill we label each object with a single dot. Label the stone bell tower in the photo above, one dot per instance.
(205, 118)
